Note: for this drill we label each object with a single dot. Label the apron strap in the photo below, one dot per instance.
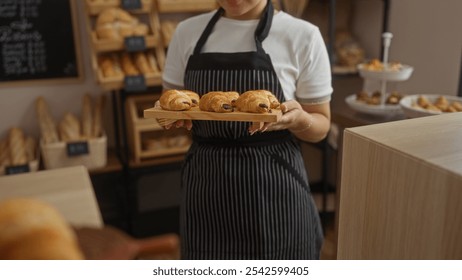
(208, 30)
(261, 32)
(264, 26)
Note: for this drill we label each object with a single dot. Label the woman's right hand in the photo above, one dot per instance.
(169, 123)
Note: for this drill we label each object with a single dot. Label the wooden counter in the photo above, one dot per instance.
(401, 194)
(68, 189)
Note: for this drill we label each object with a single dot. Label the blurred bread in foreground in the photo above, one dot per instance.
(34, 230)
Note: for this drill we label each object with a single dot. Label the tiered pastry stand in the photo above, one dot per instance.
(382, 78)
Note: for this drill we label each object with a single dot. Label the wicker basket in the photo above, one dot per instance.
(55, 155)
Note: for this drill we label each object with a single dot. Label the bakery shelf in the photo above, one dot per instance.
(146, 138)
(185, 6)
(95, 7)
(106, 45)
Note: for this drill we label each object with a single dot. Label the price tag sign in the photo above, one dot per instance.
(17, 169)
(77, 149)
(135, 83)
(135, 44)
(131, 4)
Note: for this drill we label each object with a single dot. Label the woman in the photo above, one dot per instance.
(246, 194)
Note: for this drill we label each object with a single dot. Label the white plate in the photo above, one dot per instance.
(402, 75)
(412, 112)
(378, 110)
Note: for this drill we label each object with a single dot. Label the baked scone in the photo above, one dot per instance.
(175, 100)
(34, 230)
(257, 101)
(218, 101)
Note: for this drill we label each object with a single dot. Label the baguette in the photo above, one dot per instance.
(17, 146)
(98, 116)
(87, 116)
(47, 125)
(69, 128)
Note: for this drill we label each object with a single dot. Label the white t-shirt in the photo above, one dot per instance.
(295, 46)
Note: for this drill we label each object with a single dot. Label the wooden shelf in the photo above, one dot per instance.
(94, 7)
(106, 45)
(185, 6)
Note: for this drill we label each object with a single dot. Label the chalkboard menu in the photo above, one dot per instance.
(38, 40)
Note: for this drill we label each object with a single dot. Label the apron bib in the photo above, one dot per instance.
(243, 196)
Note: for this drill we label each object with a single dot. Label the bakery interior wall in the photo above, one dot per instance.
(426, 35)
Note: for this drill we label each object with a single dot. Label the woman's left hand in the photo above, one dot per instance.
(292, 112)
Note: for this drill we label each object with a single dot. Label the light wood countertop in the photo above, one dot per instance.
(69, 190)
(436, 140)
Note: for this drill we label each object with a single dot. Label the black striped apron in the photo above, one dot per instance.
(243, 196)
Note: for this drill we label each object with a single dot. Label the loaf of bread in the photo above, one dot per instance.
(143, 64)
(47, 125)
(87, 116)
(110, 66)
(34, 230)
(69, 128)
(257, 101)
(17, 146)
(128, 65)
(218, 101)
(175, 100)
(115, 24)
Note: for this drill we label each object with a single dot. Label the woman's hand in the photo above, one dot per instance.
(308, 122)
(169, 123)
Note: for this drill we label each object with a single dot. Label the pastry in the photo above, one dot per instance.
(218, 101)
(195, 98)
(34, 230)
(257, 101)
(175, 100)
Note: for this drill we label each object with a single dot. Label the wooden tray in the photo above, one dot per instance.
(196, 114)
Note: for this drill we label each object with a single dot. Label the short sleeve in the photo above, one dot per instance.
(314, 84)
(175, 62)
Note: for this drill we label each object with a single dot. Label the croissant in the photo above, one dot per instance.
(194, 97)
(257, 101)
(175, 100)
(218, 101)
